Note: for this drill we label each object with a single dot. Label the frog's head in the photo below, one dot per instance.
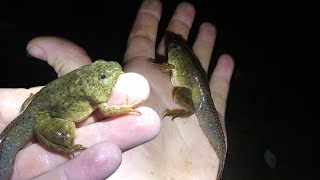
(96, 81)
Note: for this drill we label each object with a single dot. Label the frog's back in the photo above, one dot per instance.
(79, 85)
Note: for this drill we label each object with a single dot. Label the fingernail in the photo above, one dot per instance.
(35, 51)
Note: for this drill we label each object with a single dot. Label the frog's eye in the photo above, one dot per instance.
(103, 76)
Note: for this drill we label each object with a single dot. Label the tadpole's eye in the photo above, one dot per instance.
(103, 76)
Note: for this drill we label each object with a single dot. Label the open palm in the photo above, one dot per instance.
(180, 150)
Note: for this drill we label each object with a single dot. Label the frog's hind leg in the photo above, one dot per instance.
(57, 134)
(182, 97)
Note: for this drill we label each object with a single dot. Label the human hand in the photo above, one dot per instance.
(181, 150)
(106, 138)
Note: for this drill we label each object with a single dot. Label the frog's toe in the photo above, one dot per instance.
(74, 148)
(77, 147)
(174, 113)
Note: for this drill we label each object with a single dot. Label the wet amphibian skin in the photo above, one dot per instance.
(192, 94)
(51, 114)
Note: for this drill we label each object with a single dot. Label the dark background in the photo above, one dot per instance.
(269, 105)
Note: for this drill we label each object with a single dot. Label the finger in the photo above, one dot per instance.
(180, 22)
(63, 55)
(204, 44)
(220, 81)
(142, 39)
(97, 162)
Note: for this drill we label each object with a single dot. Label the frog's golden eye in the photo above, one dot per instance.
(103, 76)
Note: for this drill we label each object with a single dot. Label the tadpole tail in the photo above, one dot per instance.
(210, 123)
(12, 139)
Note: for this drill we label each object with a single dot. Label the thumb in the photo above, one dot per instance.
(62, 54)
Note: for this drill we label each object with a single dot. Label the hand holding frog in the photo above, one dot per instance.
(72, 98)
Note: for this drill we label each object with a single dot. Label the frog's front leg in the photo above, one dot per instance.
(57, 134)
(115, 110)
(164, 67)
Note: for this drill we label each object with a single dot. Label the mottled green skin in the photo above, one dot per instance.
(52, 112)
(193, 95)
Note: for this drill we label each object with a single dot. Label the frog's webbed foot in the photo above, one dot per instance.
(174, 113)
(74, 148)
(115, 110)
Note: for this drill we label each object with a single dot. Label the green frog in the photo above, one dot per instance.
(50, 114)
(192, 94)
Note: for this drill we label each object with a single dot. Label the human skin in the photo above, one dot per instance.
(174, 153)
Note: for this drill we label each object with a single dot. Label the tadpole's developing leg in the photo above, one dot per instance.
(164, 67)
(182, 97)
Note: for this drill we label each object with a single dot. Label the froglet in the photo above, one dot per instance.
(50, 114)
(192, 94)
